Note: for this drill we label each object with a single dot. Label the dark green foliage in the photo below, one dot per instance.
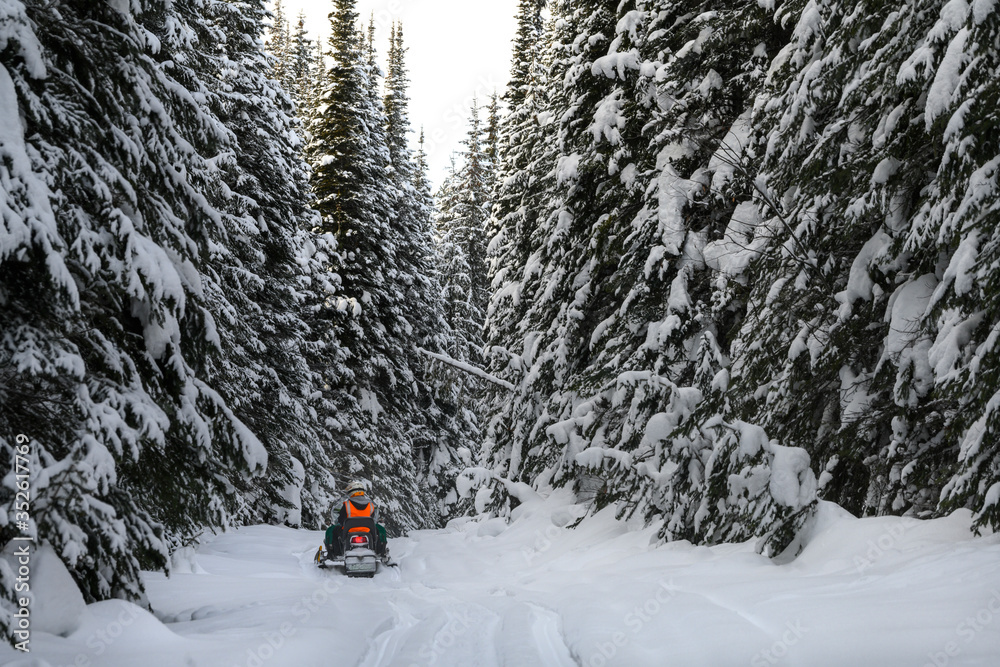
(152, 340)
(366, 188)
(108, 324)
(715, 218)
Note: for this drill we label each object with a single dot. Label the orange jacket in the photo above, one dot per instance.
(357, 505)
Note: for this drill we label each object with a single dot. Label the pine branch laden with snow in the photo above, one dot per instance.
(891, 218)
(148, 282)
(468, 368)
(752, 203)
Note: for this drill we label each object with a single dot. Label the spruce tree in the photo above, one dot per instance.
(524, 74)
(441, 424)
(264, 375)
(960, 114)
(622, 335)
(280, 46)
(522, 137)
(839, 369)
(473, 207)
(316, 83)
(547, 243)
(356, 194)
(118, 206)
(421, 179)
(458, 394)
(453, 266)
(301, 65)
(723, 290)
(462, 310)
(492, 147)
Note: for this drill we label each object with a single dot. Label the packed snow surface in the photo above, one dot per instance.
(884, 591)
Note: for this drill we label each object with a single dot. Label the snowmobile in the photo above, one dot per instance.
(360, 558)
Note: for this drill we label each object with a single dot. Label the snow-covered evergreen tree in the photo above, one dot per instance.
(464, 206)
(267, 379)
(421, 178)
(281, 46)
(524, 132)
(109, 333)
(874, 214)
(314, 88)
(621, 337)
(441, 428)
(157, 220)
(962, 105)
(357, 195)
(462, 312)
(301, 66)
(474, 205)
(491, 146)
(737, 275)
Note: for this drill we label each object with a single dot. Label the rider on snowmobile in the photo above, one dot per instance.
(356, 504)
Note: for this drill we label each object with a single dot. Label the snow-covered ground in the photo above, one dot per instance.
(872, 592)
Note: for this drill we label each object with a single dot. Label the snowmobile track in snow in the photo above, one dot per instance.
(484, 593)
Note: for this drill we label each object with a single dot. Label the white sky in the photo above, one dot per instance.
(457, 49)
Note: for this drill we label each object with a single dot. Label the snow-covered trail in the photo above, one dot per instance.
(880, 592)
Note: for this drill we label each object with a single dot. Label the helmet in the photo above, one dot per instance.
(354, 486)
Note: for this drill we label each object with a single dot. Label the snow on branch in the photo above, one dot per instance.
(468, 368)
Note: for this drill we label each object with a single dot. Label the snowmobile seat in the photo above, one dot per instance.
(360, 524)
(364, 524)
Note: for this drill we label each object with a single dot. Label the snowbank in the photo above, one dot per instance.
(883, 591)
(57, 604)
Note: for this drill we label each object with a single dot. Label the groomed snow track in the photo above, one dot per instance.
(484, 593)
